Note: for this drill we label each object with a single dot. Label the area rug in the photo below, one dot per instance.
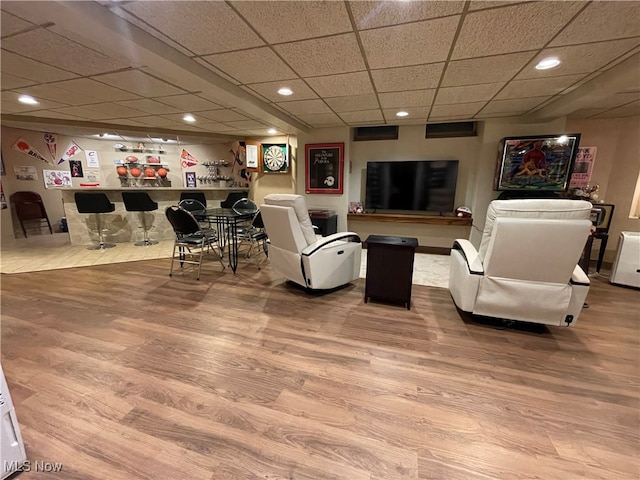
(429, 270)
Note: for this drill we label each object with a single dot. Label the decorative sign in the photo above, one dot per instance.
(252, 157)
(52, 146)
(56, 178)
(24, 147)
(75, 167)
(71, 150)
(25, 172)
(324, 168)
(187, 160)
(583, 166)
(275, 158)
(190, 179)
(92, 158)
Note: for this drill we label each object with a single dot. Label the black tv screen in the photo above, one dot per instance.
(420, 186)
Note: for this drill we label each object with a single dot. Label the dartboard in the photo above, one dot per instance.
(274, 158)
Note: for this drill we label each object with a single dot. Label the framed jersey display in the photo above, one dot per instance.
(275, 158)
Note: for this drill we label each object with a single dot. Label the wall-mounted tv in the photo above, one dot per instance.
(426, 186)
(541, 162)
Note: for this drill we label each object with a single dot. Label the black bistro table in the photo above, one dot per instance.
(226, 221)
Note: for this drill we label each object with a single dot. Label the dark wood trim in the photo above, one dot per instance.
(426, 249)
(409, 218)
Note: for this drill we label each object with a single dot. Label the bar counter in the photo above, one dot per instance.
(122, 226)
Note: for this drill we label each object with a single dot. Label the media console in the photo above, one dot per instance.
(410, 218)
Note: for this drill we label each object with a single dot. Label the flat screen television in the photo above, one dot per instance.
(426, 186)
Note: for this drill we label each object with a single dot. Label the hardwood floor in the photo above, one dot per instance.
(119, 372)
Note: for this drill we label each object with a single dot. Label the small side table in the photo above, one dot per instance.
(327, 224)
(390, 269)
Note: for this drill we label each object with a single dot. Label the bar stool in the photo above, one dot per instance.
(194, 195)
(97, 203)
(140, 202)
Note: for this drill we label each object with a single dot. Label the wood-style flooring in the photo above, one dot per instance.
(119, 372)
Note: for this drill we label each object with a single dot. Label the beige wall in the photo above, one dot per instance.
(616, 169)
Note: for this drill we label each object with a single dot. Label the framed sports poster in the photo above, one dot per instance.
(324, 168)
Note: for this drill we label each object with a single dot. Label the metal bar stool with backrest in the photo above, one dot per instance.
(190, 240)
(97, 203)
(140, 202)
(233, 197)
(194, 195)
(29, 206)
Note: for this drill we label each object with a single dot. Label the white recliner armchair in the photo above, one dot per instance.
(526, 267)
(317, 263)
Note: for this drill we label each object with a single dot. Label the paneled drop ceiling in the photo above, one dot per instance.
(141, 65)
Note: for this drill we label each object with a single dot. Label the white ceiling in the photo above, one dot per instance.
(140, 65)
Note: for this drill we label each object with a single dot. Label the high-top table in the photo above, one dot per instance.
(226, 221)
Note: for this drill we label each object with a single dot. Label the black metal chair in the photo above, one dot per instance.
(258, 239)
(29, 206)
(233, 197)
(96, 203)
(194, 195)
(191, 241)
(140, 202)
(192, 205)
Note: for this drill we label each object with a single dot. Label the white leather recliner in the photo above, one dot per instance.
(526, 267)
(317, 263)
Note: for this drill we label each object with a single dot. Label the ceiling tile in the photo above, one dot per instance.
(341, 85)
(10, 103)
(413, 98)
(225, 115)
(51, 92)
(114, 110)
(621, 99)
(246, 124)
(305, 107)
(280, 22)
(318, 57)
(362, 116)
(353, 103)
(522, 27)
(188, 102)
(411, 44)
(449, 118)
(482, 4)
(158, 121)
(621, 112)
(586, 112)
(457, 109)
(602, 21)
(177, 118)
(217, 71)
(385, 13)
(47, 47)
(139, 83)
(467, 94)
(12, 24)
(9, 82)
(579, 58)
(516, 106)
(31, 69)
(51, 114)
(25, 10)
(269, 90)
(416, 114)
(97, 90)
(252, 66)
(87, 113)
(537, 87)
(321, 119)
(149, 106)
(407, 78)
(254, 93)
(499, 68)
(212, 126)
(202, 27)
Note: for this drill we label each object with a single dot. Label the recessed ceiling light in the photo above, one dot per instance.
(189, 118)
(285, 91)
(547, 63)
(272, 131)
(27, 99)
(402, 114)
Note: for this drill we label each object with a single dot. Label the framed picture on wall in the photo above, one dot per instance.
(275, 158)
(324, 168)
(540, 162)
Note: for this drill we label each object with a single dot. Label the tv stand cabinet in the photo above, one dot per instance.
(409, 218)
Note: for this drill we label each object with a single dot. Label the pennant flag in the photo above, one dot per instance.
(24, 147)
(52, 146)
(188, 160)
(72, 149)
